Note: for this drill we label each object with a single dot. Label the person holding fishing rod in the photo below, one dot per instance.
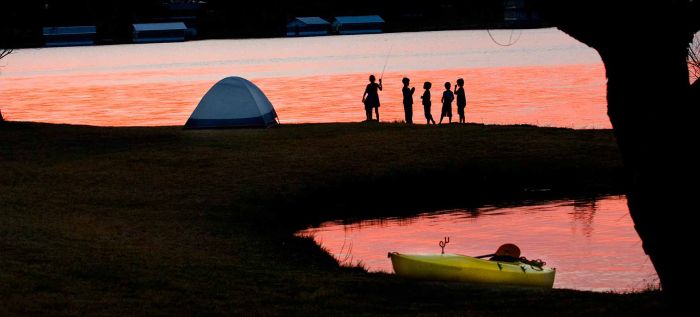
(371, 97)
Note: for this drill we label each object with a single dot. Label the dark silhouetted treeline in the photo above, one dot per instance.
(21, 22)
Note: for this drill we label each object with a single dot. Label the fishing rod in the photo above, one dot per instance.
(386, 62)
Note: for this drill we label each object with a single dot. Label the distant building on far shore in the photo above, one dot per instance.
(366, 24)
(186, 11)
(518, 13)
(308, 26)
(159, 32)
(55, 36)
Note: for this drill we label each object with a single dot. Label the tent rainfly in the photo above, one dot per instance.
(233, 102)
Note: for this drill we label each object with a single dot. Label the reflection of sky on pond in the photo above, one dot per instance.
(592, 243)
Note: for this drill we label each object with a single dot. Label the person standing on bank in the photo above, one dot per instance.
(461, 99)
(408, 100)
(426, 102)
(447, 98)
(371, 97)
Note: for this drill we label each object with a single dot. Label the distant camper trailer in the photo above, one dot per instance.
(308, 26)
(368, 24)
(70, 36)
(159, 32)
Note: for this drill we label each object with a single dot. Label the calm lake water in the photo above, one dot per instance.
(546, 78)
(591, 243)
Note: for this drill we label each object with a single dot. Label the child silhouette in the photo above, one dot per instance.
(408, 100)
(447, 97)
(371, 97)
(461, 99)
(426, 102)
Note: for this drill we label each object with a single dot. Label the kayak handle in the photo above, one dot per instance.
(443, 243)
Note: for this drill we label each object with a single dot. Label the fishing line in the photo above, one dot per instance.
(387, 61)
(510, 39)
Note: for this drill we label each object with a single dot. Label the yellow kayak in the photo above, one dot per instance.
(455, 267)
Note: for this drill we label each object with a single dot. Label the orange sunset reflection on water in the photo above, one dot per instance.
(547, 79)
(591, 243)
(495, 95)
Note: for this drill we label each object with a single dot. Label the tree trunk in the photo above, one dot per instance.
(649, 110)
(644, 50)
(695, 93)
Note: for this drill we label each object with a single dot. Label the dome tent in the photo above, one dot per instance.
(233, 102)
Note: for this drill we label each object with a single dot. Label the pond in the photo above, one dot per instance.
(592, 243)
(546, 78)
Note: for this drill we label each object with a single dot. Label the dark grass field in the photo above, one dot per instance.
(162, 221)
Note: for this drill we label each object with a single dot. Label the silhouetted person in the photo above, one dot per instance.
(426, 102)
(371, 97)
(447, 97)
(461, 99)
(408, 100)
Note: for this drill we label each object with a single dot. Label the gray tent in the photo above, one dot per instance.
(230, 103)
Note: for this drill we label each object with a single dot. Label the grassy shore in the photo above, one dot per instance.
(161, 221)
